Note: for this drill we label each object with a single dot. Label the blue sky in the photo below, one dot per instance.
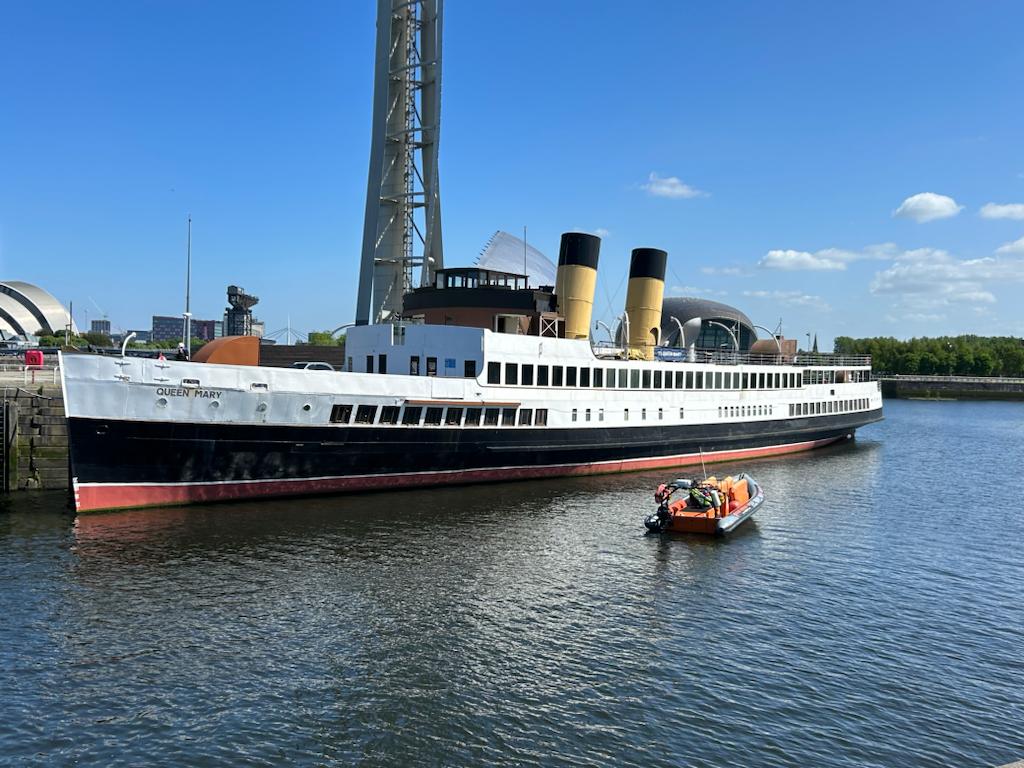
(827, 164)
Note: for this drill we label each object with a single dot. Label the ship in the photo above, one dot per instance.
(482, 378)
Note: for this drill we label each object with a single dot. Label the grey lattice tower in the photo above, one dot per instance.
(402, 228)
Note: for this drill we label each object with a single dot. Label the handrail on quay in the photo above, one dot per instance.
(948, 379)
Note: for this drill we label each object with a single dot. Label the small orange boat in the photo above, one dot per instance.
(709, 506)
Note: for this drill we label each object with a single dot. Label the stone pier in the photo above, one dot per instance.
(35, 444)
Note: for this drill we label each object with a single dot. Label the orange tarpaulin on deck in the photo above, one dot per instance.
(230, 350)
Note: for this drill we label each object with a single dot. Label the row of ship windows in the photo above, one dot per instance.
(435, 416)
(528, 375)
(742, 411)
(832, 406)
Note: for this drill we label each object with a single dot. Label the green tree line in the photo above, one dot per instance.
(941, 356)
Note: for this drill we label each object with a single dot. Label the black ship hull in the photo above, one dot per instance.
(119, 464)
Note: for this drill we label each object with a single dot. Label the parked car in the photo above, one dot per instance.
(313, 366)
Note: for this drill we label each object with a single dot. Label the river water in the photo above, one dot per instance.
(872, 614)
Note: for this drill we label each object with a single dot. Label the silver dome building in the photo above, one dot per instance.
(27, 309)
(712, 336)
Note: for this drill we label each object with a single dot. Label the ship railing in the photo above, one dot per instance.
(725, 357)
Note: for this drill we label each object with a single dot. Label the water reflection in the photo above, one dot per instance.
(851, 622)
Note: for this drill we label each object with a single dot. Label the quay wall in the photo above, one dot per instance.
(952, 387)
(34, 448)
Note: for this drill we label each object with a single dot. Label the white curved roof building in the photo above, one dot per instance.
(26, 309)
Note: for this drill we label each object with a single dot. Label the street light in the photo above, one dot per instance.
(735, 341)
(775, 338)
(611, 336)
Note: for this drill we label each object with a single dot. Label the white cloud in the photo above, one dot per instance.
(602, 232)
(792, 260)
(692, 290)
(998, 211)
(1017, 246)
(926, 279)
(670, 186)
(727, 271)
(791, 299)
(825, 259)
(927, 206)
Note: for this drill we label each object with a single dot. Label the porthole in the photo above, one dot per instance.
(307, 407)
(261, 408)
(215, 404)
(162, 402)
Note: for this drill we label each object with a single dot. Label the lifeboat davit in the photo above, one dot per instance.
(710, 506)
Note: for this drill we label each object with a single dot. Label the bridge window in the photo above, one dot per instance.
(388, 414)
(382, 363)
(668, 379)
(431, 366)
(525, 417)
(491, 417)
(508, 417)
(494, 373)
(511, 373)
(542, 375)
(647, 379)
(556, 375)
(584, 377)
(473, 416)
(433, 417)
(469, 369)
(369, 363)
(634, 379)
(542, 417)
(599, 377)
(454, 417)
(365, 414)
(570, 376)
(586, 415)
(414, 366)
(412, 414)
(623, 378)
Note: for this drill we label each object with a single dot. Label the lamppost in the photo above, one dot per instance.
(775, 338)
(187, 330)
(735, 341)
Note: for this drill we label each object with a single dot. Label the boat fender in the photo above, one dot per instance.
(716, 500)
(683, 483)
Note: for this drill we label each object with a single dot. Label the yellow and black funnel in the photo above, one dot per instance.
(643, 300)
(575, 282)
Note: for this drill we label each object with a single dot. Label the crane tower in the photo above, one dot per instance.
(402, 227)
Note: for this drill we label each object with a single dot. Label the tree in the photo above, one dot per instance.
(98, 339)
(324, 339)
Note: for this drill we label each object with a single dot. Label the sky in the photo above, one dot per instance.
(847, 169)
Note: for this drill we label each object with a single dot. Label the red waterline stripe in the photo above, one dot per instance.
(101, 496)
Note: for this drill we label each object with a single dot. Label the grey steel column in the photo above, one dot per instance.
(402, 226)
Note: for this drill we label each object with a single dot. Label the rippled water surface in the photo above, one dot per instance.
(871, 615)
